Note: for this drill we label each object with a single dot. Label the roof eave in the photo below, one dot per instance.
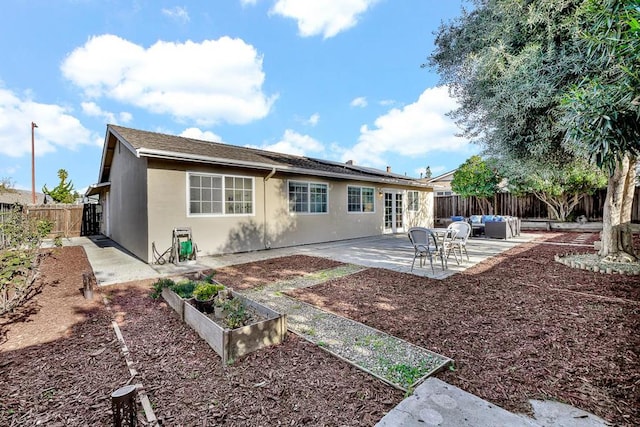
(168, 155)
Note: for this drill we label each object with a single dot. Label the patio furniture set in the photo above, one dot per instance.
(430, 243)
(492, 226)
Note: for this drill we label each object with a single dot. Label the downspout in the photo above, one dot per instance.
(264, 207)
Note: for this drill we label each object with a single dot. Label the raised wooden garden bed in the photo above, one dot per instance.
(231, 343)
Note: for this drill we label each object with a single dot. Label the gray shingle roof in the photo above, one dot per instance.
(158, 144)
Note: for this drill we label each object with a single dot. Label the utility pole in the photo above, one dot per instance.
(33, 163)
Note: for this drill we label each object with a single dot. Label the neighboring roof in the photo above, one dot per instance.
(158, 145)
(22, 197)
(447, 176)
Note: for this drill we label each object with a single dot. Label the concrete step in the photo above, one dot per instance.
(436, 403)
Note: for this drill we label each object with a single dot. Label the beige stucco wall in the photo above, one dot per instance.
(127, 203)
(423, 217)
(212, 234)
(271, 225)
(287, 229)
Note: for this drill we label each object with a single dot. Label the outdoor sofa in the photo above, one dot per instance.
(494, 226)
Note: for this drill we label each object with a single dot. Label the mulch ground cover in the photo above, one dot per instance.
(64, 373)
(519, 326)
(255, 274)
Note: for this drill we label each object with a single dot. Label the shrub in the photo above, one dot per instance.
(19, 258)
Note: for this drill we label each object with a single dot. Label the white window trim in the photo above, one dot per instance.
(417, 198)
(223, 214)
(361, 212)
(302, 181)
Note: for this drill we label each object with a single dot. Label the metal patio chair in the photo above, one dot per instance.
(425, 245)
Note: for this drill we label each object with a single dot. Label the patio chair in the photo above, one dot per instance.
(425, 245)
(463, 231)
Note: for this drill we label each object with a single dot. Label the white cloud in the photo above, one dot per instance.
(360, 101)
(92, 109)
(248, 2)
(207, 82)
(294, 143)
(201, 135)
(387, 102)
(313, 120)
(414, 130)
(57, 128)
(177, 13)
(327, 17)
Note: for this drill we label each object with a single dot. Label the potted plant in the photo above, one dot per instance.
(204, 294)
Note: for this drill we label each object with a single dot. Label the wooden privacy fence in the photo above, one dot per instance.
(66, 219)
(527, 206)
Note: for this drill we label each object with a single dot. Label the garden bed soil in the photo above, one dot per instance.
(519, 326)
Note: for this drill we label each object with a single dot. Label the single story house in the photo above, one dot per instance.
(238, 199)
(442, 184)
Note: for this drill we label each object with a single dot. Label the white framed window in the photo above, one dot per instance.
(308, 197)
(413, 200)
(211, 194)
(360, 199)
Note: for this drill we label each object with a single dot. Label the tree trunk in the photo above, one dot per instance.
(617, 244)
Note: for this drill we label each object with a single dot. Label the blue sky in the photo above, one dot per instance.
(332, 79)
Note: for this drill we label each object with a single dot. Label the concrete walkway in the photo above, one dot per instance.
(433, 403)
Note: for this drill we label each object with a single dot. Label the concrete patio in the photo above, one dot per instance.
(112, 264)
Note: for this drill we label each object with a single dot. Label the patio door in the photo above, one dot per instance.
(393, 212)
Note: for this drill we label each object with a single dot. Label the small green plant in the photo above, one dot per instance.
(57, 241)
(308, 331)
(209, 277)
(238, 314)
(322, 344)
(184, 288)
(159, 285)
(205, 291)
(406, 374)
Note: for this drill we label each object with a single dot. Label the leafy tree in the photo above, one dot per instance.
(603, 111)
(63, 192)
(561, 189)
(477, 178)
(513, 65)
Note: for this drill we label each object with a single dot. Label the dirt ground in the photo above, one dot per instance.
(519, 326)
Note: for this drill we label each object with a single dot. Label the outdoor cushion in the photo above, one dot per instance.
(457, 218)
(488, 218)
(475, 219)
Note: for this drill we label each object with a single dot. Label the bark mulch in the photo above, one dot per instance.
(256, 274)
(519, 326)
(65, 372)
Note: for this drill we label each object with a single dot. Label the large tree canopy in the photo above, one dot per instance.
(512, 65)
